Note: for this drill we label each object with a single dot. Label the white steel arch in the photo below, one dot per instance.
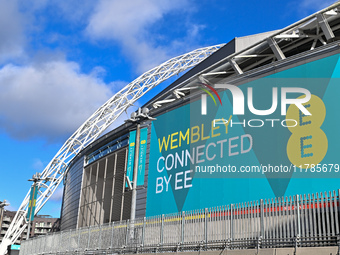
(53, 174)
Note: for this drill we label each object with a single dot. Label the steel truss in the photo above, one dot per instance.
(54, 172)
(313, 29)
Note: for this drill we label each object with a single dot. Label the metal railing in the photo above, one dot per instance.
(298, 221)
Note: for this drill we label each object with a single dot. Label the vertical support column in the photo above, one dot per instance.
(78, 242)
(134, 185)
(262, 218)
(88, 240)
(336, 212)
(143, 231)
(318, 213)
(332, 215)
(206, 225)
(28, 229)
(113, 230)
(100, 237)
(328, 233)
(275, 48)
(182, 227)
(298, 216)
(135, 175)
(231, 222)
(259, 240)
(162, 229)
(336, 200)
(298, 222)
(32, 203)
(226, 212)
(2, 208)
(94, 202)
(69, 242)
(311, 226)
(286, 226)
(326, 29)
(292, 221)
(127, 232)
(113, 185)
(235, 66)
(53, 248)
(204, 104)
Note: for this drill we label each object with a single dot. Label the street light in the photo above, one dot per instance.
(2, 208)
(35, 178)
(136, 117)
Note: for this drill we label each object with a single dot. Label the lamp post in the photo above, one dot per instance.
(35, 179)
(2, 208)
(138, 117)
(135, 174)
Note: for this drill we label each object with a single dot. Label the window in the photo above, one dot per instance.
(104, 183)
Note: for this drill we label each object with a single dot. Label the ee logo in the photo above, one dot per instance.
(308, 144)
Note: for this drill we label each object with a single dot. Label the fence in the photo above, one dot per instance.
(298, 221)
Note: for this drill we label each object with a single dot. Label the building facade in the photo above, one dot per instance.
(95, 189)
(234, 128)
(42, 225)
(7, 218)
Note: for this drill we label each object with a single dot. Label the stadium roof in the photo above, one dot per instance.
(242, 57)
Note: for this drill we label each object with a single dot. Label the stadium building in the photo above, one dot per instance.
(240, 152)
(227, 131)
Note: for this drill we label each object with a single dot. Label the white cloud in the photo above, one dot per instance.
(11, 30)
(113, 19)
(315, 5)
(128, 23)
(10, 207)
(48, 96)
(50, 99)
(57, 195)
(38, 165)
(74, 11)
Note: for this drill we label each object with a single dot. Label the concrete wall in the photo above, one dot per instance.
(277, 251)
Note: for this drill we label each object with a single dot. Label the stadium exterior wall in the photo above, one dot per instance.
(270, 146)
(317, 73)
(77, 211)
(72, 188)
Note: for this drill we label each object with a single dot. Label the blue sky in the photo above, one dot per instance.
(60, 60)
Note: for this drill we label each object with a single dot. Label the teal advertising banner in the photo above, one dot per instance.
(15, 247)
(131, 156)
(142, 156)
(32, 203)
(270, 137)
